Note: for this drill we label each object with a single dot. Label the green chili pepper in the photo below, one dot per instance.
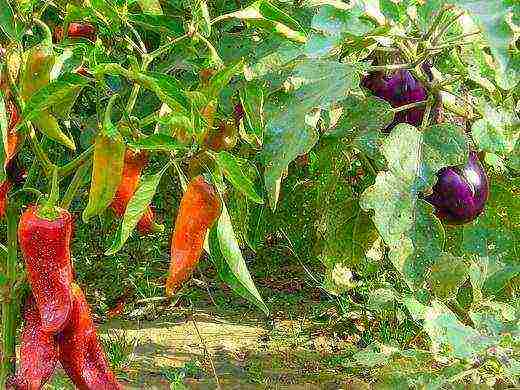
(49, 126)
(37, 70)
(107, 166)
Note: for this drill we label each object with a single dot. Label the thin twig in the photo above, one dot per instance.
(203, 280)
(445, 28)
(206, 351)
(436, 22)
(138, 37)
(409, 106)
(167, 47)
(376, 68)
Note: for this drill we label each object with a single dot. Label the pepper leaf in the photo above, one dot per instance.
(227, 257)
(7, 20)
(252, 127)
(52, 94)
(232, 170)
(221, 79)
(201, 17)
(151, 7)
(157, 141)
(135, 209)
(271, 18)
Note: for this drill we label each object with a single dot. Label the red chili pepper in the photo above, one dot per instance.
(223, 138)
(134, 164)
(57, 34)
(13, 137)
(83, 71)
(45, 248)
(82, 30)
(38, 351)
(199, 208)
(4, 190)
(81, 354)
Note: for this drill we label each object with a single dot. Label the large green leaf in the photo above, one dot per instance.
(7, 20)
(230, 264)
(406, 223)
(53, 94)
(362, 115)
(493, 240)
(290, 130)
(446, 332)
(491, 16)
(498, 131)
(271, 18)
(231, 166)
(332, 24)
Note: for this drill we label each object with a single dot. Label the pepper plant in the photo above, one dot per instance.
(403, 113)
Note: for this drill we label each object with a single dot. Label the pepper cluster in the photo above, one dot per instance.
(58, 324)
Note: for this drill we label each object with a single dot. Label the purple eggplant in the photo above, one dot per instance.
(400, 89)
(461, 192)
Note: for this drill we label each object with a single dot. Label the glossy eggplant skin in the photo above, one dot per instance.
(461, 192)
(399, 89)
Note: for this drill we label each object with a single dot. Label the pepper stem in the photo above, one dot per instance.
(48, 209)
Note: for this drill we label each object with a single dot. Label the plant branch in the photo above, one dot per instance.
(426, 118)
(70, 167)
(138, 37)
(376, 68)
(167, 47)
(40, 154)
(446, 26)
(136, 88)
(436, 22)
(211, 49)
(409, 106)
(74, 186)
(9, 301)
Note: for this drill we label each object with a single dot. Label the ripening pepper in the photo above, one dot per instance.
(13, 138)
(82, 30)
(80, 352)
(5, 186)
(37, 70)
(45, 248)
(38, 351)
(199, 208)
(222, 138)
(133, 167)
